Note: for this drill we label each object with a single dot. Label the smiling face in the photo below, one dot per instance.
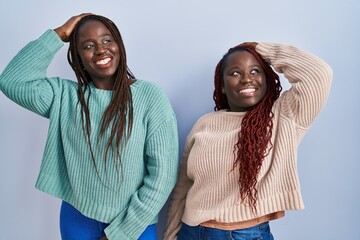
(244, 81)
(99, 53)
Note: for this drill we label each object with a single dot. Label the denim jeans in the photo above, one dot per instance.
(258, 232)
(75, 226)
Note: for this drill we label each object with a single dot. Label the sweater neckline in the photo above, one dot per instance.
(230, 113)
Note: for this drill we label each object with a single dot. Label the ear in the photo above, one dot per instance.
(222, 90)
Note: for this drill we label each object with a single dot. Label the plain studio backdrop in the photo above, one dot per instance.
(176, 44)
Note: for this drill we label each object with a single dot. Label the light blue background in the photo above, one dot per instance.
(177, 44)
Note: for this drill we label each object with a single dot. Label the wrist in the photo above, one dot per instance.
(60, 33)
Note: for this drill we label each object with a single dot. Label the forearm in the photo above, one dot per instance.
(173, 221)
(24, 79)
(147, 201)
(309, 76)
(32, 61)
(178, 201)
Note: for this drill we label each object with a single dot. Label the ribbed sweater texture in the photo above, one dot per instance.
(129, 198)
(207, 188)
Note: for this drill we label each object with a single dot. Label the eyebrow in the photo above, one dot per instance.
(256, 65)
(101, 36)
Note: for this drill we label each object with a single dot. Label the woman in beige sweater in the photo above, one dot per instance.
(239, 167)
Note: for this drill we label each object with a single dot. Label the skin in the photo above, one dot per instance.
(64, 32)
(97, 49)
(244, 81)
(99, 53)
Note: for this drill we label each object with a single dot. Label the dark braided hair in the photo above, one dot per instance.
(254, 138)
(120, 108)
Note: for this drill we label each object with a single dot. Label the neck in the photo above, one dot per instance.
(104, 84)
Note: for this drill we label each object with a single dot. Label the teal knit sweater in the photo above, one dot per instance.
(130, 198)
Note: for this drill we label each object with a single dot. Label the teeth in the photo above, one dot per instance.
(248, 90)
(104, 61)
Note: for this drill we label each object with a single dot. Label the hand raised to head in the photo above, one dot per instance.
(65, 30)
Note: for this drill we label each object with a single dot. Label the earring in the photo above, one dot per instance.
(223, 90)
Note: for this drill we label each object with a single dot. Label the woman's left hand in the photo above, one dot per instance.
(103, 238)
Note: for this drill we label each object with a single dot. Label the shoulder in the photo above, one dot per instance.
(208, 115)
(65, 84)
(148, 92)
(151, 98)
(59, 84)
(64, 89)
(146, 87)
(204, 119)
(216, 114)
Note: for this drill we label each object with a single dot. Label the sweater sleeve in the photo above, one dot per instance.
(310, 78)
(24, 79)
(162, 162)
(178, 196)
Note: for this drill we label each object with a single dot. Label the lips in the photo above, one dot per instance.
(102, 62)
(247, 90)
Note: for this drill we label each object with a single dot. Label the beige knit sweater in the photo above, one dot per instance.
(207, 189)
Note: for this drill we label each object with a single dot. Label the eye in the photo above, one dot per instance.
(107, 41)
(254, 71)
(235, 73)
(88, 46)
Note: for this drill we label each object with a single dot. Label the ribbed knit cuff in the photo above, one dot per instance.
(51, 40)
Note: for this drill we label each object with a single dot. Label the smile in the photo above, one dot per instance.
(103, 61)
(247, 90)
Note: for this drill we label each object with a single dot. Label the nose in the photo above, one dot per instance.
(100, 49)
(246, 78)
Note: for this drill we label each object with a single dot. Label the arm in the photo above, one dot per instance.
(177, 203)
(178, 196)
(24, 79)
(162, 159)
(310, 79)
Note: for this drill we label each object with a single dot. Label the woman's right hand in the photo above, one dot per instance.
(249, 44)
(67, 28)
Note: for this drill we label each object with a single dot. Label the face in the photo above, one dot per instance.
(98, 52)
(244, 81)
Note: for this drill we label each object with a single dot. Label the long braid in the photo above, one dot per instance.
(118, 116)
(254, 138)
(220, 101)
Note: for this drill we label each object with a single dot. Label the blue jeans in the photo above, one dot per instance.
(75, 226)
(258, 232)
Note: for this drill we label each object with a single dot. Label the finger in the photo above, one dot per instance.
(68, 27)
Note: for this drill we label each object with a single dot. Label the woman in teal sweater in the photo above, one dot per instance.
(112, 149)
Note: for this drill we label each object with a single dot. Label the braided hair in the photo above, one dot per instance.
(254, 138)
(118, 116)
